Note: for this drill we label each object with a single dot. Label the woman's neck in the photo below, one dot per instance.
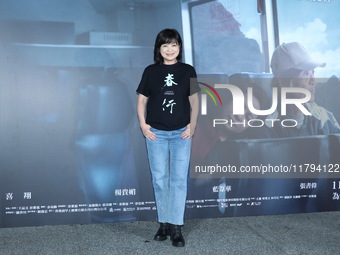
(170, 62)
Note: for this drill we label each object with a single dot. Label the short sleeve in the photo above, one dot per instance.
(194, 88)
(143, 87)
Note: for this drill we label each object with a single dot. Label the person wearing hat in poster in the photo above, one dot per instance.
(292, 66)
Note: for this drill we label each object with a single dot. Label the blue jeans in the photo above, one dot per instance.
(169, 157)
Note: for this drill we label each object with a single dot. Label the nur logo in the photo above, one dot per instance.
(239, 99)
(212, 93)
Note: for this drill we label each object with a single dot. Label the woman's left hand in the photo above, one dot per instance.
(186, 134)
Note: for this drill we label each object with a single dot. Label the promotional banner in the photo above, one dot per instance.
(247, 162)
(71, 149)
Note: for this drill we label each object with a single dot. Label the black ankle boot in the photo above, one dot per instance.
(162, 232)
(176, 236)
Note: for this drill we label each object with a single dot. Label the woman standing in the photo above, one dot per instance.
(167, 109)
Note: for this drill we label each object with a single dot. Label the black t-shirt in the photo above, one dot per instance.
(168, 88)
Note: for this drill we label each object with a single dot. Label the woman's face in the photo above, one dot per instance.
(169, 52)
(306, 80)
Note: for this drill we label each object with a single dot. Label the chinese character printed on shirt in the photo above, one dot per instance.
(169, 80)
(168, 104)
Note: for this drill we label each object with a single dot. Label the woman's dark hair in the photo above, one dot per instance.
(164, 37)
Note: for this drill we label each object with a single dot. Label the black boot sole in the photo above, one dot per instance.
(178, 244)
(160, 238)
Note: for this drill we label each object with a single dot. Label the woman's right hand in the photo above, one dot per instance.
(147, 132)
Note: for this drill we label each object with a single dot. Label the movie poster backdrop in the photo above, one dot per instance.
(71, 150)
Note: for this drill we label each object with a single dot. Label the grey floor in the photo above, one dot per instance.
(308, 233)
